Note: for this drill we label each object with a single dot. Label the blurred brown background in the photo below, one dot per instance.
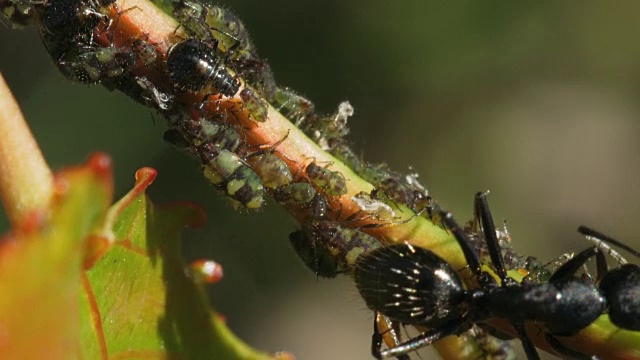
(535, 102)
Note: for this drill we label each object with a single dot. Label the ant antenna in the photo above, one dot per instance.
(599, 238)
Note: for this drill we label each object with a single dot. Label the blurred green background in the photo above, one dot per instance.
(536, 102)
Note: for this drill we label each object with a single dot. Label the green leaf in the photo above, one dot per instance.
(138, 299)
(40, 266)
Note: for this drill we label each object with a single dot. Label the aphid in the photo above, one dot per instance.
(331, 182)
(196, 132)
(142, 90)
(328, 248)
(414, 286)
(74, 20)
(146, 53)
(325, 128)
(317, 258)
(216, 25)
(153, 95)
(293, 106)
(295, 193)
(343, 152)
(90, 65)
(21, 13)
(375, 208)
(273, 171)
(226, 33)
(255, 105)
(195, 66)
(228, 172)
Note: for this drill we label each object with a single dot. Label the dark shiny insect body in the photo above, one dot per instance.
(74, 20)
(414, 286)
(621, 285)
(224, 30)
(194, 65)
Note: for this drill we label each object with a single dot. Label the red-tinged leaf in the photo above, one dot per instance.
(40, 263)
(140, 301)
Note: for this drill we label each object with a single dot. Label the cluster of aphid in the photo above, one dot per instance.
(213, 56)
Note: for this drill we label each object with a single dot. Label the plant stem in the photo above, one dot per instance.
(26, 182)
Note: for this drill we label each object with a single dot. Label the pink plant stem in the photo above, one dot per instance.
(26, 182)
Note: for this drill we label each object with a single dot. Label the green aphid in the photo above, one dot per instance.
(295, 107)
(21, 13)
(331, 182)
(216, 25)
(91, 65)
(229, 173)
(296, 193)
(257, 107)
(273, 171)
(345, 154)
(203, 130)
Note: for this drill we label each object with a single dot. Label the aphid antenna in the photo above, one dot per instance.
(270, 148)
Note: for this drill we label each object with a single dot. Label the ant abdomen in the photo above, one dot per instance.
(426, 288)
(621, 287)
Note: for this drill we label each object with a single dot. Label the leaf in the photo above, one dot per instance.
(135, 301)
(138, 300)
(40, 263)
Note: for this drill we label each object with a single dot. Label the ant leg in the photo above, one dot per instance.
(377, 337)
(569, 268)
(425, 339)
(529, 348)
(484, 220)
(461, 237)
(565, 351)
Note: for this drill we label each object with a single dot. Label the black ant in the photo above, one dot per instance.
(414, 286)
(620, 286)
